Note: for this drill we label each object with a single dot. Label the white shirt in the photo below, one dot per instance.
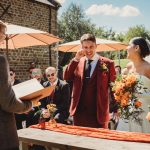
(95, 59)
(55, 83)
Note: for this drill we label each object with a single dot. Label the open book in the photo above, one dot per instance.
(31, 89)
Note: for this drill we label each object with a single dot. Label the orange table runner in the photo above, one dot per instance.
(96, 132)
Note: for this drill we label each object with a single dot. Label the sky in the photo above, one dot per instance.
(116, 14)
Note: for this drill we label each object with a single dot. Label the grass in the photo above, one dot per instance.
(123, 62)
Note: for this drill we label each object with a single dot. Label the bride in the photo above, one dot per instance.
(137, 50)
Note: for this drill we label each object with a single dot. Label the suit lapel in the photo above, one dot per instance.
(99, 74)
(98, 70)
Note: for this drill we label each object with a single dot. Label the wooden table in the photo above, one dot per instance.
(60, 141)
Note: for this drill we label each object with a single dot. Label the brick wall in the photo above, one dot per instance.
(35, 15)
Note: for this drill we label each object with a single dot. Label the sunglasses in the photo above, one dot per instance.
(50, 75)
(11, 74)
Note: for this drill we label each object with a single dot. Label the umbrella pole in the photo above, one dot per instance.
(50, 59)
(7, 46)
(57, 56)
(118, 57)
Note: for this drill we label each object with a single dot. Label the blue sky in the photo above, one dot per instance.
(118, 14)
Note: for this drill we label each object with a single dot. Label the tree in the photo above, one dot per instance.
(137, 31)
(72, 24)
(120, 37)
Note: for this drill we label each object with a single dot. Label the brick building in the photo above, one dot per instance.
(37, 14)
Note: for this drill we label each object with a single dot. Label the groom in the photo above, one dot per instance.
(91, 75)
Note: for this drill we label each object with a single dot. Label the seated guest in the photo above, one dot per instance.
(30, 117)
(60, 96)
(19, 117)
(13, 79)
(118, 70)
(32, 66)
(37, 73)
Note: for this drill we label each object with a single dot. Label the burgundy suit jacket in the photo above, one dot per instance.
(75, 72)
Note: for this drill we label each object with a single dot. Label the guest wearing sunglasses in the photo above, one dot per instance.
(13, 79)
(37, 73)
(19, 117)
(60, 96)
(31, 119)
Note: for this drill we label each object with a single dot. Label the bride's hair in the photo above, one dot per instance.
(143, 44)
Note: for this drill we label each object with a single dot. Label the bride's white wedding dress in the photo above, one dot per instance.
(145, 99)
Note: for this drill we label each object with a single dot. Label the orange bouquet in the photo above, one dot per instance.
(126, 89)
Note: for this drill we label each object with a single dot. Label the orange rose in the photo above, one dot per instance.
(138, 104)
(124, 103)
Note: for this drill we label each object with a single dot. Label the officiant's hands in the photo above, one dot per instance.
(35, 101)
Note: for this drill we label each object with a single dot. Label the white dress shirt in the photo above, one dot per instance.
(55, 83)
(95, 59)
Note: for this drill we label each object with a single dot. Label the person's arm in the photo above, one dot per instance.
(8, 100)
(69, 72)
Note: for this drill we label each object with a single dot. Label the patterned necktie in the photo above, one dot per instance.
(88, 69)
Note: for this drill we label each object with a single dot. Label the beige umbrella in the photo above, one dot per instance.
(18, 37)
(102, 45)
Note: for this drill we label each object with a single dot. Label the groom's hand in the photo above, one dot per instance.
(79, 55)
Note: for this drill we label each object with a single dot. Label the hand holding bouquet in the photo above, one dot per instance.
(126, 90)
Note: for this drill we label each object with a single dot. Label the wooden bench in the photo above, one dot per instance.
(60, 141)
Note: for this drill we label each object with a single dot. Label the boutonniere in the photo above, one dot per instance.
(103, 67)
(56, 87)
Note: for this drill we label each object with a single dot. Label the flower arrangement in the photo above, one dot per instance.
(103, 67)
(46, 114)
(51, 109)
(126, 89)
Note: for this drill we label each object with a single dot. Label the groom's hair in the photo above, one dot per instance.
(88, 37)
